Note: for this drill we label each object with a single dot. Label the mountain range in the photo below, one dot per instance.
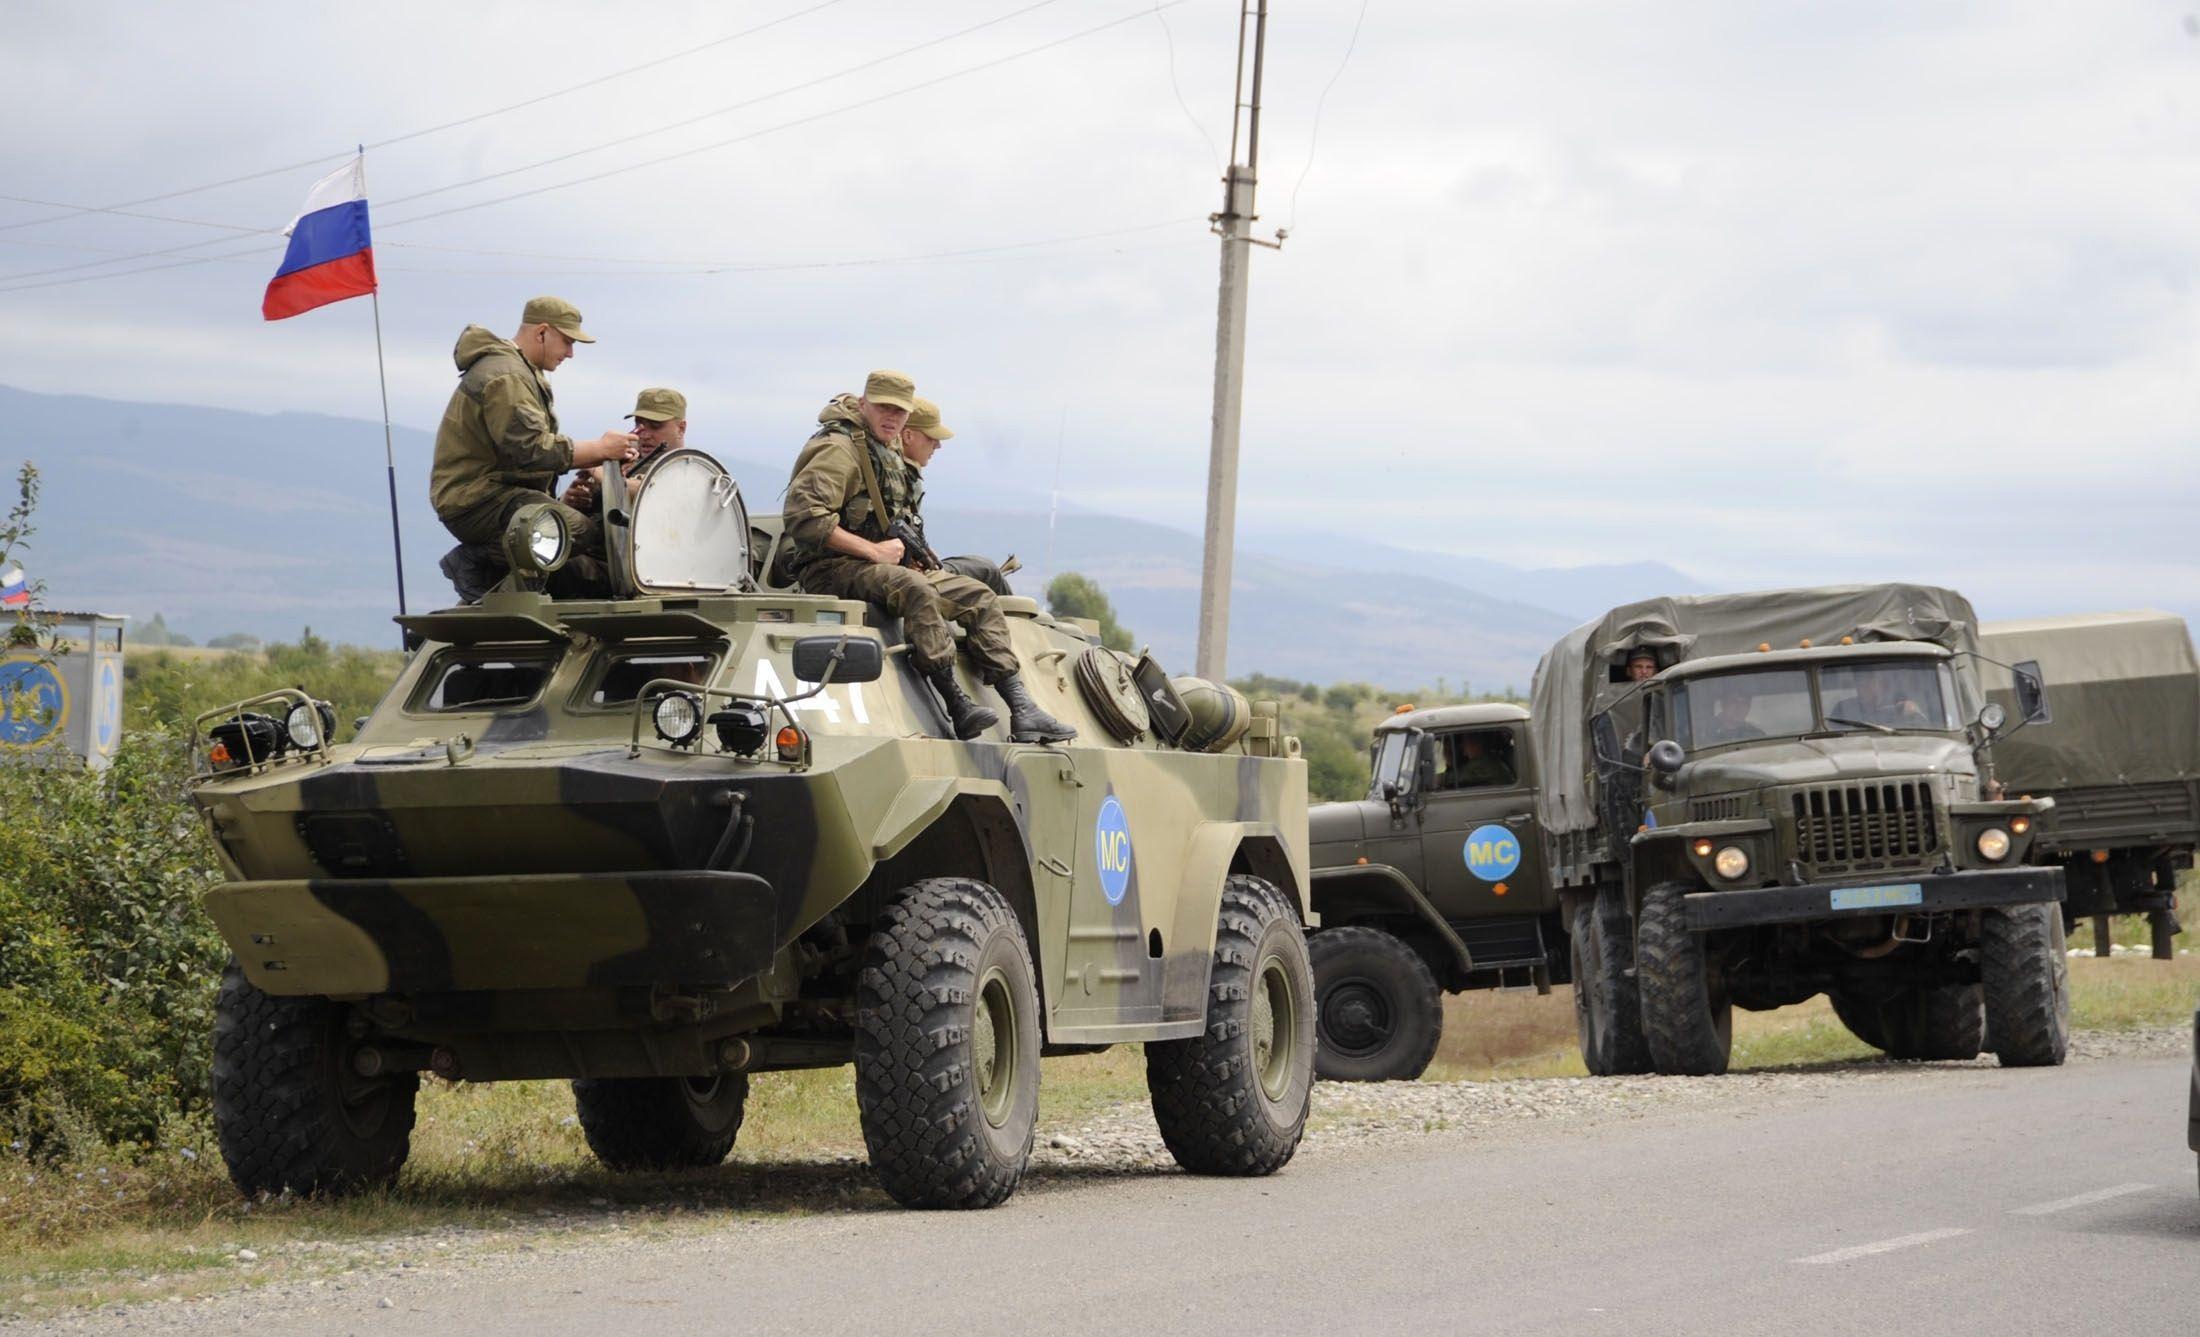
(228, 521)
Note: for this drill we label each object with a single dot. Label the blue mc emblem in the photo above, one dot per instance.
(32, 702)
(1493, 853)
(1112, 847)
(108, 722)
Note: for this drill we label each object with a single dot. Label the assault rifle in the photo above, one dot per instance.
(916, 554)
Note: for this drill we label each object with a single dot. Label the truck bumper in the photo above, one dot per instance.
(341, 937)
(1928, 894)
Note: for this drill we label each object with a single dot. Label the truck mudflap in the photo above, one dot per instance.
(1931, 893)
(340, 937)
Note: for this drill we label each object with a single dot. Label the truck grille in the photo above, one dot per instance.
(1848, 824)
(1725, 809)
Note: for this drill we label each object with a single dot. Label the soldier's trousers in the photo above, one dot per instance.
(925, 601)
(584, 573)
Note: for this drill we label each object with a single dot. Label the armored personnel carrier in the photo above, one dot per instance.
(660, 842)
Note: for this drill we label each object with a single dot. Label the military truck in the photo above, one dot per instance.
(1800, 801)
(2120, 756)
(657, 843)
(1434, 883)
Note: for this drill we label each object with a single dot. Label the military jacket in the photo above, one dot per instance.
(500, 430)
(828, 489)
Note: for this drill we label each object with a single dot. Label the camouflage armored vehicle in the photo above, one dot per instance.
(1434, 883)
(1798, 802)
(2120, 756)
(658, 843)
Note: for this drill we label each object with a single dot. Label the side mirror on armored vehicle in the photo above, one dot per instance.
(849, 658)
(2032, 692)
(1665, 760)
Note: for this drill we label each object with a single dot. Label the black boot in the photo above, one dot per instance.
(967, 717)
(1026, 722)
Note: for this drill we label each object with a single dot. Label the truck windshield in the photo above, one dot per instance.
(1781, 703)
(1390, 762)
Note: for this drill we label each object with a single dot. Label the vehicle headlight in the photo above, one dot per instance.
(1993, 844)
(679, 718)
(309, 725)
(537, 541)
(1731, 862)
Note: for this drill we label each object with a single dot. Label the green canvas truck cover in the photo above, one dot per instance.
(2123, 690)
(1581, 676)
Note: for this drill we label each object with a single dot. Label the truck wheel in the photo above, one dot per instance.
(2104, 936)
(1861, 1015)
(2026, 976)
(2165, 928)
(1947, 1022)
(661, 1123)
(947, 1046)
(290, 1112)
(1607, 1005)
(1233, 1100)
(1378, 1013)
(1685, 1014)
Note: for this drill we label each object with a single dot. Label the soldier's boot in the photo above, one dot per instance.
(473, 569)
(965, 716)
(1026, 722)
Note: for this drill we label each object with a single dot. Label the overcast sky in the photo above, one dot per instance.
(1775, 293)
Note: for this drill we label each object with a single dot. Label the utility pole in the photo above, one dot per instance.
(1235, 226)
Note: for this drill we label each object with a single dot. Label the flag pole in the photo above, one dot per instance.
(389, 450)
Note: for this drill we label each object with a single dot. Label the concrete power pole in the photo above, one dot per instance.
(1235, 226)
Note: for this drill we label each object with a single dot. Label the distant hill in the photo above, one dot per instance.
(226, 521)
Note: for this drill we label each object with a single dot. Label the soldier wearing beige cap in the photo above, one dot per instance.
(660, 425)
(920, 441)
(851, 486)
(499, 447)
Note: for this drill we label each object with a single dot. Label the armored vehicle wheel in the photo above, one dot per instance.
(1607, 1005)
(2164, 928)
(947, 1046)
(1948, 1022)
(1233, 1100)
(1378, 1013)
(661, 1123)
(2026, 977)
(290, 1112)
(1685, 1012)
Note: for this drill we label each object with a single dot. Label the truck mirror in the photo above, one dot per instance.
(860, 658)
(1424, 767)
(1666, 756)
(2032, 692)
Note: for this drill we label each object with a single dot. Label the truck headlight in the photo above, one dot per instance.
(679, 718)
(1993, 844)
(1731, 862)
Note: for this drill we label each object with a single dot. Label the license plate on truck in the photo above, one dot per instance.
(1873, 898)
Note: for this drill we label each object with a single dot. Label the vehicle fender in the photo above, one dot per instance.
(921, 802)
(1386, 884)
(1208, 862)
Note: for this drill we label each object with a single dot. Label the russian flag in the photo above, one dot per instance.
(14, 592)
(331, 254)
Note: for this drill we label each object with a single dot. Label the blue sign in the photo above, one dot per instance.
(1493, 853)
(32, 702)
(107, 720)
(1112, 847)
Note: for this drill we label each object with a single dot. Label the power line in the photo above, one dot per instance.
(1314, 140)
(1170, 37)
(75, 211)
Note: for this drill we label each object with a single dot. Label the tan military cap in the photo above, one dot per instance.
(560, 315)
(659, 404)
(925, 417)
(890, 388)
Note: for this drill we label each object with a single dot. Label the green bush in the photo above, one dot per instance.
(107, 968)
(165, 691)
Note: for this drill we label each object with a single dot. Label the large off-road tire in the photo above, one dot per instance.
(947, 1046)
(1607, 1005)
(1942, 1023)
(1685, 1012)
(1233, 1099)
(661, 1123)
(2026, 976)
(1860, 1013)
(290, 1112)
(1378, 1013)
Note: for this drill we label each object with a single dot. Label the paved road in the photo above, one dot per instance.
(1952, 1201)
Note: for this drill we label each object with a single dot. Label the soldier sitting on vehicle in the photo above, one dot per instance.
(499, 449)
(660, 426)
(850, 490)
(920, 441)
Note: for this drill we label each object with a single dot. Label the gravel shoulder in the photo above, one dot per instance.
(287, 1286)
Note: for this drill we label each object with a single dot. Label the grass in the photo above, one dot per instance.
(510, 1158)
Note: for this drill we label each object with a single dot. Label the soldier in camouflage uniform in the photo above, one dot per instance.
(499, 447)
(660, 425)
(850, 485)
(920, 441)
